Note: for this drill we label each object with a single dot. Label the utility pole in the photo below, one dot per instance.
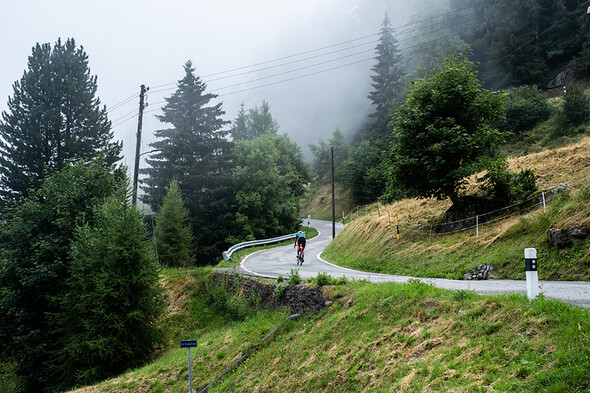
(138, 143)
(333, 199)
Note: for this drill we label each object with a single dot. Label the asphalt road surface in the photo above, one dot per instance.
(280, 260)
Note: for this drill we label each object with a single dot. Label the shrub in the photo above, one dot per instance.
(279, 291)
(323, 279)
(507, 187)
(575, 110)
(525, 108)
(294, 277)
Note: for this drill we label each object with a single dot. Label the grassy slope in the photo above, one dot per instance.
(319, 201)
(374, 338)
(369, 243)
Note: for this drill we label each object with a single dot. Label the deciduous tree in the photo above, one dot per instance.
(443, 131)
(268, 179)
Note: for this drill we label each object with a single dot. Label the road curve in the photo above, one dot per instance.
(280, 260)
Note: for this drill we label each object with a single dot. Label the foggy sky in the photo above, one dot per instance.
(130, 43)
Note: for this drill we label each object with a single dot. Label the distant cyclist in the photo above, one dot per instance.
(300, 243)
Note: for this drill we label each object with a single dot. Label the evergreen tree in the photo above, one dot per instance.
(257, 122)
(113, 299)
(387, 83)
(196, 153)
(52, 117)
(174, 236)
(34, 265)
(239, 130)
(322, 155)
(261, 122)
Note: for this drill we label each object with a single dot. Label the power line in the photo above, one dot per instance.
(299, 69)
(403, 32)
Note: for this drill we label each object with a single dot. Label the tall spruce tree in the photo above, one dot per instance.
(196, 153)
(53, 116)
(387, 83)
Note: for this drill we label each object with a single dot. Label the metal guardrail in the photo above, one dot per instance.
(227, 254)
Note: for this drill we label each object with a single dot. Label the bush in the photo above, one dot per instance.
(294, 277)
(525, 108)
(575, 110)
(323, 279)
(279, 291)
(507, 187)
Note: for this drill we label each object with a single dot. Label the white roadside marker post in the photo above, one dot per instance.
(532, 278)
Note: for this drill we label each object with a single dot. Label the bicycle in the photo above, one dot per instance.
(300, 254)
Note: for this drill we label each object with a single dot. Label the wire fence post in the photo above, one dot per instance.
(357, 212)
(477, 226)
(544, 204)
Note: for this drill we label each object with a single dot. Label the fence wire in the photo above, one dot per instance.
(480, 220)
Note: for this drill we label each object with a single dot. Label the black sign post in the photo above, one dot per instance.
(189, 344)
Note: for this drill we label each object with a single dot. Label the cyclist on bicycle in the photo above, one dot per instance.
(300, 242)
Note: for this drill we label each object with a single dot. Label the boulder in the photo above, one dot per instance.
(562, 238)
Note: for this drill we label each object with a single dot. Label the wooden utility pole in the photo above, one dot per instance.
(138, 142)
(333, 199)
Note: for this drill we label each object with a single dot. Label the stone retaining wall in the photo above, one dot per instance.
(299, 298)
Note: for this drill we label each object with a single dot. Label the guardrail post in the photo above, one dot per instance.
(532, 278)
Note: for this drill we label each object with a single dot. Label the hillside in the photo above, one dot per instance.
(369, 243)
(373, 338)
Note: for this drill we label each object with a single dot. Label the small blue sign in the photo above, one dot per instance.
(188, 343)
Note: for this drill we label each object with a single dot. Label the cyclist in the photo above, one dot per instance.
(300, 243)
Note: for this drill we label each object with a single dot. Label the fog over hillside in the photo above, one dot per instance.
(310, 90)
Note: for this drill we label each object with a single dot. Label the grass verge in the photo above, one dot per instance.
(374, 338)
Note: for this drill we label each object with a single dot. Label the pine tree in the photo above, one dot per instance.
(196, 153)
(113, 299)
(257, 122)
(174, 236)
(387, 82)
(260, 121)
(53, 117)
(239, 130)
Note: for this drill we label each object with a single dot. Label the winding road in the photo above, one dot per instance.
(280, 260)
